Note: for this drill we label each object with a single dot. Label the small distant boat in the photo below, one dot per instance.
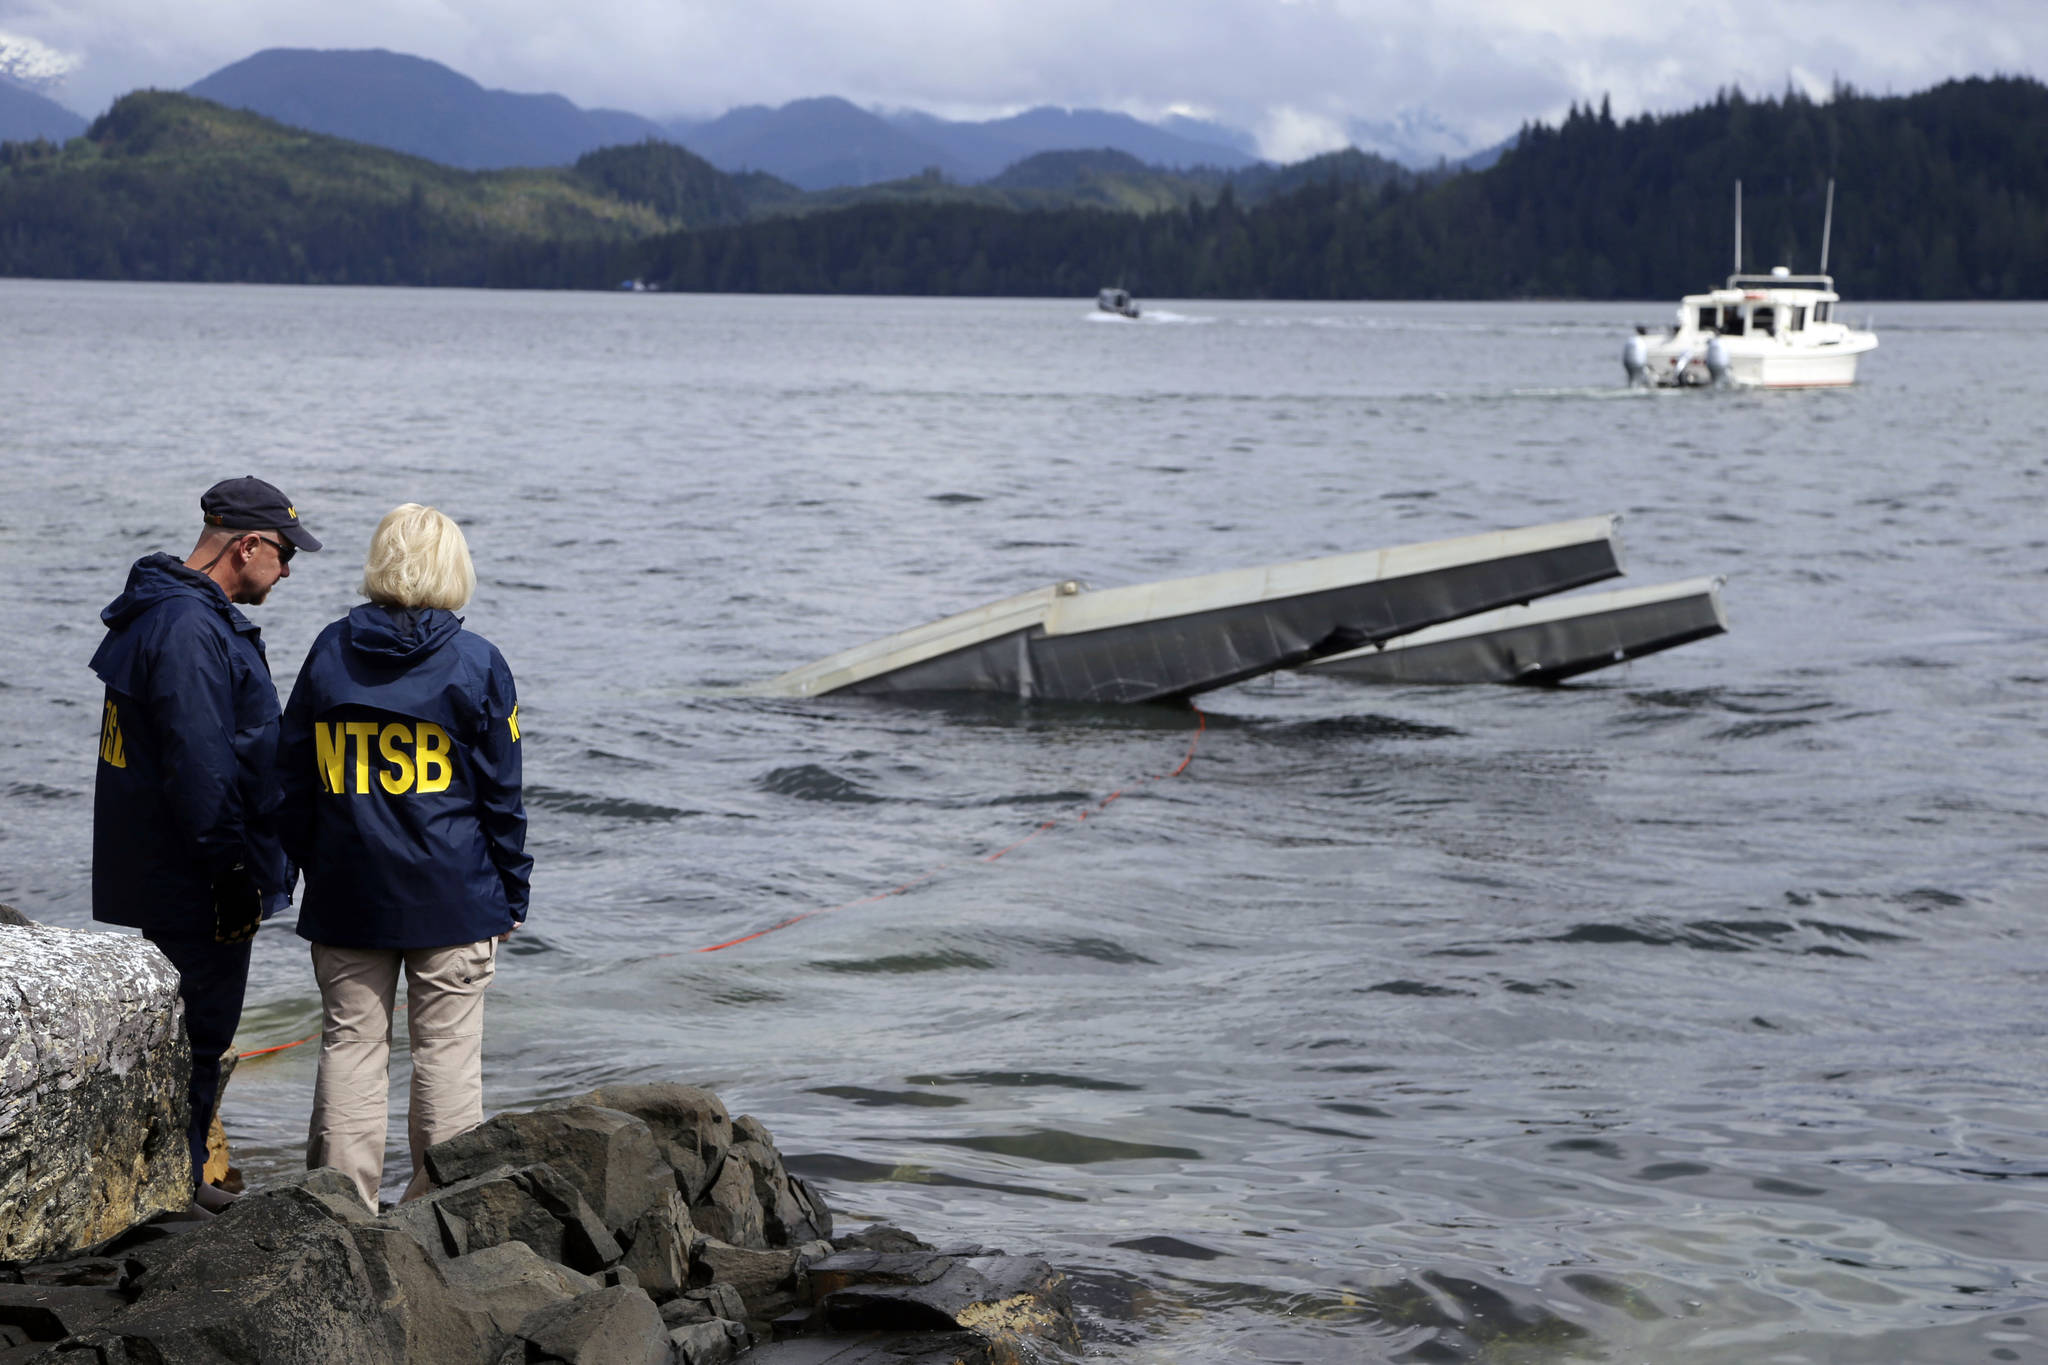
(1775, 331)
(1118, 301)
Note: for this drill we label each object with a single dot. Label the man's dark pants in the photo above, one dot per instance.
(211, 979)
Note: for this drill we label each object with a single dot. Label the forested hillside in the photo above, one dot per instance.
(171, 187)
(1942, 194)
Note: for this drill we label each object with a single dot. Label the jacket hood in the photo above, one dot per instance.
(400, 634)
(157, 578)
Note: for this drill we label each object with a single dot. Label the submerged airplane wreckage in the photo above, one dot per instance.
(1547, 642)
(1159, 641)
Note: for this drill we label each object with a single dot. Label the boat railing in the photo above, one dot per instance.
(1739, 281)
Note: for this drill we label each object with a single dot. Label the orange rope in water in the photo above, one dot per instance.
(296, 1042)
(1201, 728)
(266, 1051)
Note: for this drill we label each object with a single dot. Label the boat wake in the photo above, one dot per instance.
(1589, 391)
(1149, 316)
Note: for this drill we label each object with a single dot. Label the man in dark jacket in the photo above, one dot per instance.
(184, 804)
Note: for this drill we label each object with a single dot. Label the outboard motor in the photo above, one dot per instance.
(1635, 358)
(1717, 362)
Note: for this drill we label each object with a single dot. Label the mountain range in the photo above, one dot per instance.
(818, 144)
(420, 107)
(413, 105)
(26, 115)
(168, 186)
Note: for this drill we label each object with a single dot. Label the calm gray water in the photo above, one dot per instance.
(1692, 1012)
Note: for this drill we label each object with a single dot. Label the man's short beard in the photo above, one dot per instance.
(252, 597)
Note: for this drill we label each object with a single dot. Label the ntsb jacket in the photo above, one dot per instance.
(400, 757)
(187, 784)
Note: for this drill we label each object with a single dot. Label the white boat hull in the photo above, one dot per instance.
(1766, 365)
(1775, 331)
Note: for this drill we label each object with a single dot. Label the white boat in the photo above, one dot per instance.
(1775, 331)
(1118, 301)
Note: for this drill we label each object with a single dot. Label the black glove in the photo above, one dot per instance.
(237, 905)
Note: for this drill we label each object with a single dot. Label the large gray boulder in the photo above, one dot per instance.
(691, 1126)
(534, 1205)
(709, 1343)
(440, 1318)
(607, 1155)
(616, 1326)
(728, 1170)
(329, 1188)
(658, 1248)
(731, 1209)
(768, 1282)
(703, 1305)
(93, 1074)
(510, 1282)
(791, 1214)
(272, 1281)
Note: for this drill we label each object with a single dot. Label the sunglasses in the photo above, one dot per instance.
(285, 549)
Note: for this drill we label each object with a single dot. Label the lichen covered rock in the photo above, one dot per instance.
(93, 1074)
(1017, 1305)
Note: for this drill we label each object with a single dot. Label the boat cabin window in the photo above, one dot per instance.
(1796, 319)
(1763, 321)
(1821, 311)
(1727, 321)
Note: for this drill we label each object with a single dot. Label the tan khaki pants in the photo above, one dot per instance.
(445, 1019)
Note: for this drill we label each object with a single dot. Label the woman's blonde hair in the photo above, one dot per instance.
(418, 558)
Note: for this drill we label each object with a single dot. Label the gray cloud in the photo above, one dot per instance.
(1296, 71)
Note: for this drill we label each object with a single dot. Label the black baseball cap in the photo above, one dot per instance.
(250, 504)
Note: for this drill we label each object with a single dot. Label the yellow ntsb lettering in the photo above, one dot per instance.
(513, 721)
(112, 751)
(436, 768)
(362, 731)
(400, 776)
(331, 747)
(408, 758)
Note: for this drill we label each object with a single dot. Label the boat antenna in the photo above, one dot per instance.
(1738, 227)
(1827, 225)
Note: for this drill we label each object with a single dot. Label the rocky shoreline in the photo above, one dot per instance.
(636, 1223)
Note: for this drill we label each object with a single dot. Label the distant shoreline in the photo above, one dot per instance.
(175, 188)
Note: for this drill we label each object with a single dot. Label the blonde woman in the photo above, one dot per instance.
(400, 751)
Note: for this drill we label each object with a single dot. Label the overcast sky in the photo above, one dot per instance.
(1293, 72)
